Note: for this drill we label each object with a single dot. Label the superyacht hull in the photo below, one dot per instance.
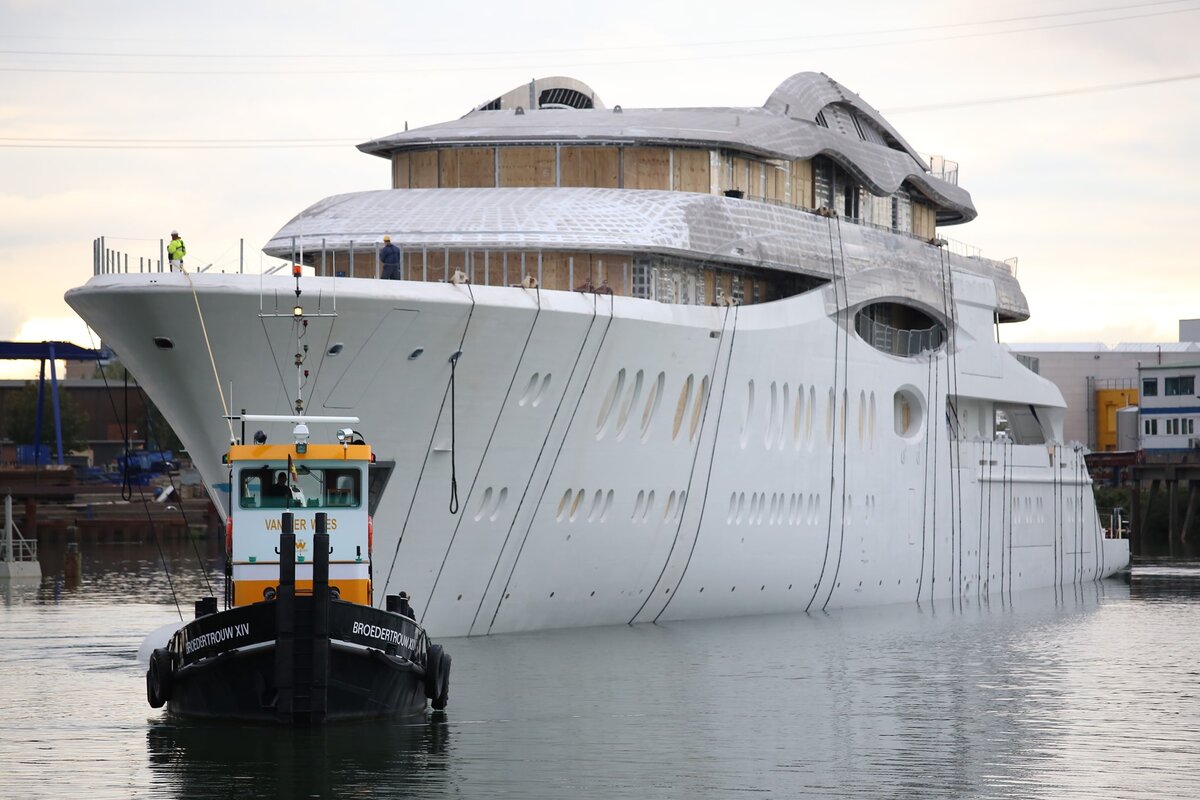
(619, 460)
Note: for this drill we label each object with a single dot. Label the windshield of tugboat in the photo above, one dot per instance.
(320, 487)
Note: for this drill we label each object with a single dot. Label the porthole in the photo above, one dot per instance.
(163, 343)
(652, 401)
(335, 348)
(610, 399)
(908, 408)
(685, 394)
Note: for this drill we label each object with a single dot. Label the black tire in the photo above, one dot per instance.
(160, 678)
(439, 701)
(433, 669)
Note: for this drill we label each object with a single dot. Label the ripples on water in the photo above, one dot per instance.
(1088, 693)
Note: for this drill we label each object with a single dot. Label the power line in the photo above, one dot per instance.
(711, 56)
(1041, 95)
(216, 144)
(613, 48)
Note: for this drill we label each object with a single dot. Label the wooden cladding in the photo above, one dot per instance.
(924, 221)
(663, 168)
(590, 166)
(527, 166)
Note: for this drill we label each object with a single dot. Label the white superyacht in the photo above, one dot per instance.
(644, 364)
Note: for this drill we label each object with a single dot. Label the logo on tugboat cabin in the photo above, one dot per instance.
(300, 524)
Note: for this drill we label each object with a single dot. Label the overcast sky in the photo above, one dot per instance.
(1075, 122)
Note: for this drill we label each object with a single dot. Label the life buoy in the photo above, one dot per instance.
(443, 694)
(433, 669)
(160, 678)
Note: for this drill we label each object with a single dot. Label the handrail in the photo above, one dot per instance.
(111, 261)
(14, 546)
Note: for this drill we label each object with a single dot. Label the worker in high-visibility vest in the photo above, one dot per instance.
(176, 251)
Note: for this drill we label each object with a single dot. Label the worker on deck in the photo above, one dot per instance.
(176, 251)
(389, 256)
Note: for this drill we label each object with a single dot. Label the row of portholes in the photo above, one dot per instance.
(778, 508)
(622, 398)
(1030, 509)
(790, 416)
(774, 509)
(535, 390)
(491, 504)
(672, 511)
(570, 507)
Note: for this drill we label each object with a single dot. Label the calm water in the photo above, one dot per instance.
(1095, 693)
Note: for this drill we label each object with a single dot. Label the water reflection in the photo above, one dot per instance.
(197, 760)
(1082, 692)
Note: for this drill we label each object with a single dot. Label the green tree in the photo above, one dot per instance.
(20, 418)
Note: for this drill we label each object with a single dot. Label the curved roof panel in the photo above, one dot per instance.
(767, 132)
(620, 221)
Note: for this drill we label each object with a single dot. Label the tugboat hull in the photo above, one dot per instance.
(241, 685)
(298, 659)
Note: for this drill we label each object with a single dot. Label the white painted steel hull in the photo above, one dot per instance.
(585, 504)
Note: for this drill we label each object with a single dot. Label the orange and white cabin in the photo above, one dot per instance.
(305, 479)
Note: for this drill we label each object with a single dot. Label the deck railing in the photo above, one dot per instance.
(898, 341)
(14, 546)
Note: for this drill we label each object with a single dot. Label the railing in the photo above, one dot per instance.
(941, 167)
(109, 261)
(1114, 523)
(14, 546)
(897, 341)
(1030, 363)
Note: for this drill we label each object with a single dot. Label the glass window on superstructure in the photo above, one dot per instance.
(643, 281)
(1151, 427)
(901, 212)
(1179, 385)
(735, 289)
(1189, 426)
(823, 171)
(270, 487)
(1149, 387)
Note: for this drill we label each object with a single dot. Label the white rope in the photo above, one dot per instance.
(211, 358)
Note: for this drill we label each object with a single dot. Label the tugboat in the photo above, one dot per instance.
(299, 641)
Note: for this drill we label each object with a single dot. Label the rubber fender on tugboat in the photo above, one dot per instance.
(160, 677)
(439, 701)
(433, 671)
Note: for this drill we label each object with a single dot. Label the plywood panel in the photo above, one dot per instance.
(802, 184)
(588, 166)
(424, 172)
(554, 270)
(400, 167)
(924, 221)
(646, 167)
(756, 179)
(691, 170)
(468, 167)
(777, 184)
(527, 166)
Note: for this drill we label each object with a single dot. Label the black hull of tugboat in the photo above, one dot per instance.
(241, 686)
(298, 659)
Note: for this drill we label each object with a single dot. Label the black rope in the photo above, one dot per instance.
(126, 481)
(124, 435)
(844, 335)
(150, 436)
(453, 439)
(695, 458)
(561, 443)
